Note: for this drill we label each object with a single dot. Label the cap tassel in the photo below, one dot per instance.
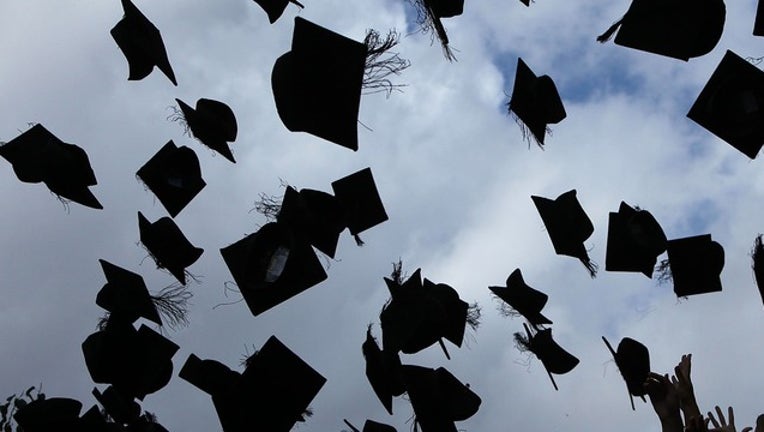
(663, 270)
(590, 265)
(350, 425)
(604, 37)
(172, 304)
(443, 347)
(358, 240)
(376, 75)
(474, 312)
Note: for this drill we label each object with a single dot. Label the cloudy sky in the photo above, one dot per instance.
(455, 176)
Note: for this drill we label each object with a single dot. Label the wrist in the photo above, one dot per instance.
(672, 423)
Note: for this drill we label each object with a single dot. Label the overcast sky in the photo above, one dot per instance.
(454, 174)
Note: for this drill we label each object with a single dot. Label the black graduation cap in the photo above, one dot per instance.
(438, 398)
(536, 102)
(758, 26)
(213, 123)
(696, 264)
(141, 43)
(757, 255)
(314, 215)
(372, 426)
(731, 105)
(39, 156)
(383, 370)
(527, 301)
(122, 409)
(125, 293)
(634, 241)
(45, 415)
(317, 85)
(568, 226)
(360, 201)
(633, 360)
(174, 175)
(681, 29)
(274, 8)
(272, 266)
(554, 358)
(168, 246)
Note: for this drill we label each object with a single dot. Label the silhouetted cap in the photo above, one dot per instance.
(681, 29)
(274, 8)
(209, 376)
(372, 426)
(568, 226)
(527, 301)
(46, 415)
(174, 175)
(213, 123)
(634, 241)
(93, 421)
(438, 398)
(39, 156)
(123, 409)
(731, 105)
(141, 43)
(383, 370)
(535, 101)
(554, 358)
(314, 215)
(758, 25)
(317, 85)
(360, 201)
(633, 360)
(272, 266)
(168, 246)
(696, 265)
(125, 294)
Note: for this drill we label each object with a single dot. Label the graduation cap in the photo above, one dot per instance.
(314, 215)
(168, 246)
(758, 26)
(371, 426)
(174, 175)
(272, 266)
(757, 255)
(429, 13)
(527, 301)
(696, 264)
(536, 103)
(125, 293)
(554, 358)
(634, 241)
(731, 105)
(360, 201)
(45, 415)
(438, 398)
(141, 43)
(383, 370)
(213, 123)
(39, 156)
(633, 360)
(317, 85)
(681, 29)
(122, 409)
(568, 226)
(274, 8)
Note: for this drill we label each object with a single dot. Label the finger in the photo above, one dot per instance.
(731, 416)
(721, 416)
(747, 429)
(713, 420)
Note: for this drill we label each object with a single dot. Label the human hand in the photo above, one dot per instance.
(722, 425)
(665, 401)
(697, 424)
(683, 385)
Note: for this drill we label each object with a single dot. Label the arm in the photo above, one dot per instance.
(683, 385)
(665, 401)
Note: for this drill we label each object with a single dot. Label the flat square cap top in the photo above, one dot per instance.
(358, 196)
(696, 264)
(174, 175)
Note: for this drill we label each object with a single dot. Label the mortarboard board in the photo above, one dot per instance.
(39, 156)
(633, 361)
(46, 415)
(634, 241)
(554, 358)
(274, 8)
(536, 102)
(372, 426)
(141, 43)
(681, 29)
(758, 25)
(527, 301)
(382, 371)
(209, 376)
(731, 104)
(757, 255)
(696, 264)
(213, 123)
(174, 175)
(568, 226)
(360, 201)
(125, 293)
(438, 398)
(272, 266)
(314, 215)
(168, 246)
(317, 85)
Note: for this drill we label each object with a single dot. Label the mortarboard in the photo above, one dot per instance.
(757, 255)
(536, 102)
(681, 29)
(731, 104)
(758, 25)
(272, 266)
(568, 226)
(39, 156)
(274, 8)
(696, 264)
(372, 426)
(213, 123)
(168, 246)
(554, 358)
(45, 415)
(314, 215)
(634, 241)
(383, 370)
(125, 293)
(221, 383)
(438, 398)
(141, 43)
(122, 409)
(360, 201)
(527, 301)
(317, 85)
(633, 361)
(174, 175)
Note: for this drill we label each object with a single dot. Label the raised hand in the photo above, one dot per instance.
(665, 401)
(683, 385)
(722, 425)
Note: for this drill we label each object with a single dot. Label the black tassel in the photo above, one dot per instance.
(590, 265)
(604, 37)
(172, 304)
(358, 240)
(379, 68)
